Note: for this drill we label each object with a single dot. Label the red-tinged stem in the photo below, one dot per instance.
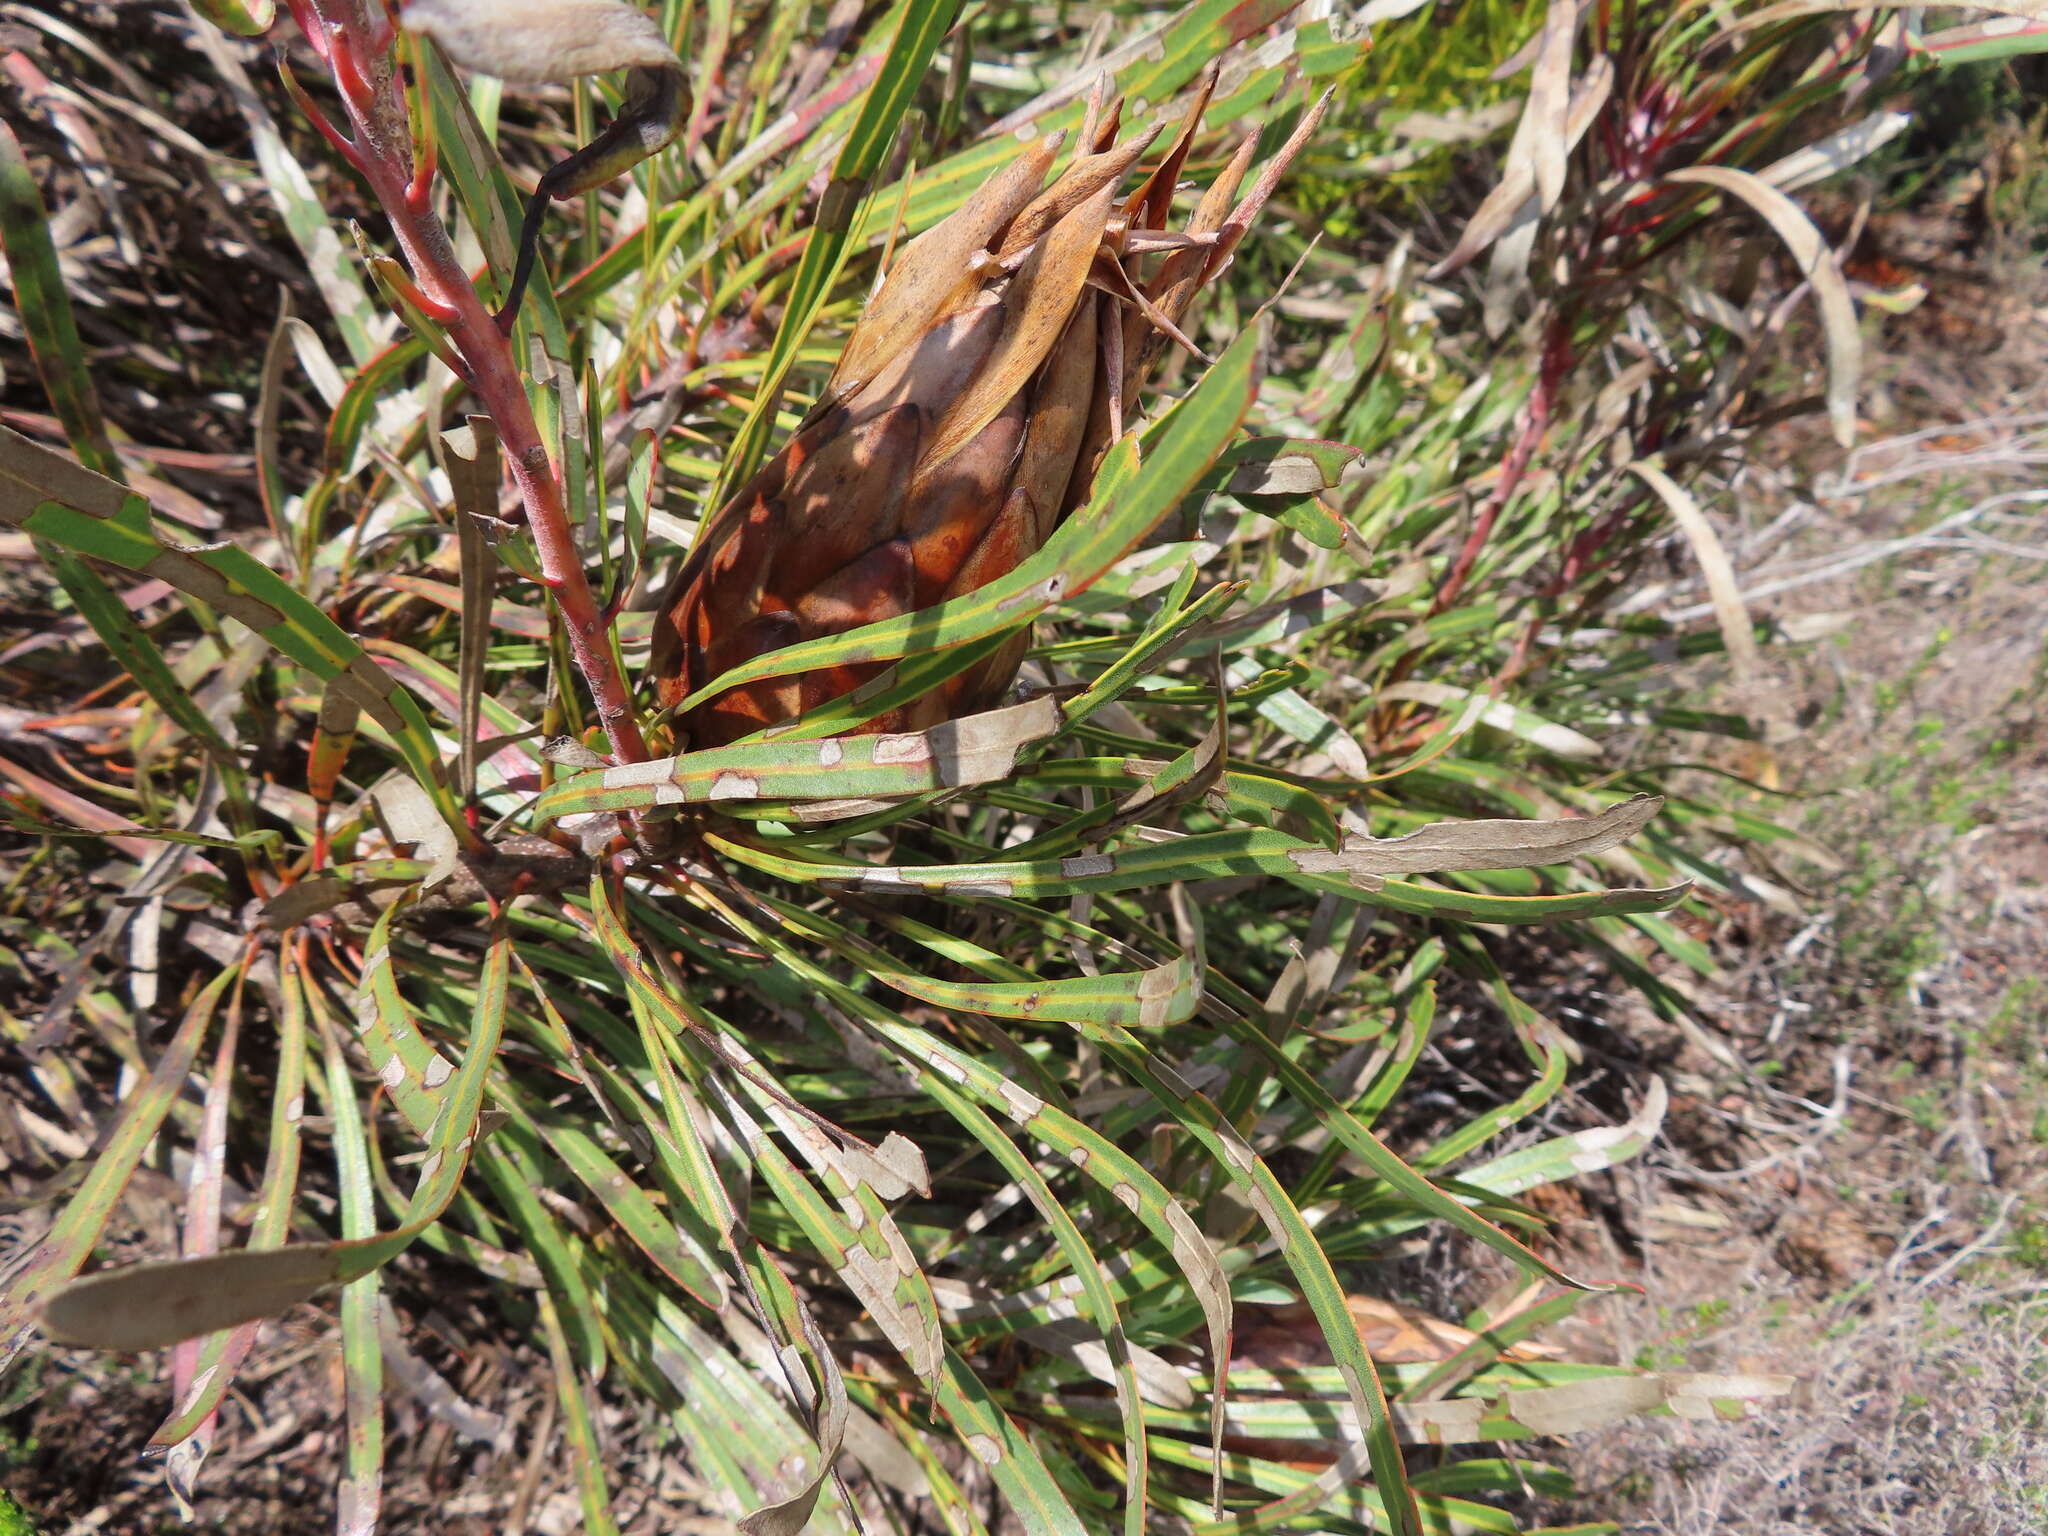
(356, 40)
(1550, 375)
(309, 24)
(1579, 563)
(336, 139)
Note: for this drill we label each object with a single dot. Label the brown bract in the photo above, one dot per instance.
(970, 406)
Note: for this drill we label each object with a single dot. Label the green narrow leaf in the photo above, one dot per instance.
(144, 1306)
(1487, 1348)
(625, 1202)
(1199, 856)
(362, 1359)
(585, 1452)
(1310, 1266)
(511, 1163)
(1099, 1159)
(44, 305)
(201, 1235)
(1428, 1200)
(69, 1242)
(367, 390)
(48, 496)
(917, 29)
(222, 1354)
(974, 749)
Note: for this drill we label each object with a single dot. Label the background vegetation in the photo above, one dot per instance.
(655, 1185)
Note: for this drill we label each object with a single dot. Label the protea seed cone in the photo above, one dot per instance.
(968, 411)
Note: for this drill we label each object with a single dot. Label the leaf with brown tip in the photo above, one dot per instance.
(1244, 213)
(1173, 287)
(1149, 205)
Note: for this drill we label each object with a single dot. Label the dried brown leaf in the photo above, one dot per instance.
(1550, 95)
(537, 41)
(1079, 183)
(1817, 263)
(1719, 571)
(1454, 845)
(152, 1306)
(1037, 306)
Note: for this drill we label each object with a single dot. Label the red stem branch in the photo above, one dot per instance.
(357, 46)
(1550, 375)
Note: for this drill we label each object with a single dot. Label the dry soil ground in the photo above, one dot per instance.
(1865, 1203)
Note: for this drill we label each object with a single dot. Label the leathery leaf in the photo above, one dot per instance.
(148, 1306)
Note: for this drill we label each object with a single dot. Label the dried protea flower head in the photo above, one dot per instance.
(978, 391)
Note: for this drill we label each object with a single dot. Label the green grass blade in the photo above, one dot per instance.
(915, 30)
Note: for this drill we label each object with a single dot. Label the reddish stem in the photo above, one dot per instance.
(1550, 375)
(335, 138)
(358, 45)
(1578, 563)
(309, 25)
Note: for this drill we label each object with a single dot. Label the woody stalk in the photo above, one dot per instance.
(525, 41)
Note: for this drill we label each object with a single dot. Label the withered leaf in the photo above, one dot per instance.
(532, 42)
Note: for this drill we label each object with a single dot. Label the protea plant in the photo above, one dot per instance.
(899, 1181)
(966, 416)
